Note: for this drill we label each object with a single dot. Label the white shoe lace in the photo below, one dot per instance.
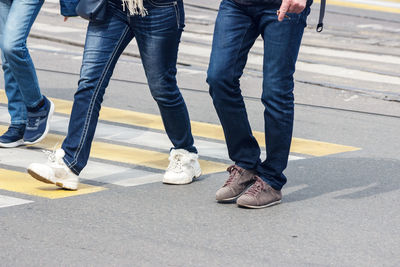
(53, 156)
(177, 161)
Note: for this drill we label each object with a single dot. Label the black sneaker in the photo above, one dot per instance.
(13, 137)
(37, 126)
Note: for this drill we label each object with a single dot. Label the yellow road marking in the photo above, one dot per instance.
(23, 183)
(362, 5)
(200, 129)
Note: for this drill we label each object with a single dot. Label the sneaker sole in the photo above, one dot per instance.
(44, 180)
(260, 207)
(13, 144)
(66, 186)
(46, 131)
(39, 178)
(197, 175)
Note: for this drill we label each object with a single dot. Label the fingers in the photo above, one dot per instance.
(297, 6)
(291, 6)
(284, 9)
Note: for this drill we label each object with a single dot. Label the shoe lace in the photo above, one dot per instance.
(51, 155)
(233, 172)
(256, 188)
(176, 162)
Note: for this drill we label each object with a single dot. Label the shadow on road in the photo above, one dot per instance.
(344, 178)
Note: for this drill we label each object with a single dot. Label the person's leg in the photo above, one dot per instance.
(16, 107)
(104, 44)
(234, 35)
(281, 47)
(21, 16)
(105, 41)
(158, 36)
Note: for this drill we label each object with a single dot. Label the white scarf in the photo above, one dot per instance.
(135, 7)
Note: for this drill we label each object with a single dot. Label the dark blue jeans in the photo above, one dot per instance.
(237, 27)
(158, 36)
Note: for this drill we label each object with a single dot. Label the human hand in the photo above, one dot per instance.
(291, 6)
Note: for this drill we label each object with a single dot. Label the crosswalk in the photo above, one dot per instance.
(391, 6)
(130, 149)
(6, 201)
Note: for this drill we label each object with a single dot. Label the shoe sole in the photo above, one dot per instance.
(44, 180)
(46, 131)
(182, 182)
(232, 199)
(260, 207)
(39, 178)
(13, 144)
(65, 186)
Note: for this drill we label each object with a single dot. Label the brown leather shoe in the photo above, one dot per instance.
(260, 195)
(239, 180)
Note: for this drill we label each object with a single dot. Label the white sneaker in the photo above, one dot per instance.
(183, 167)
(55, 171)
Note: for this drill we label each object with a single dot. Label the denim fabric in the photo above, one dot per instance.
(237, 27)
(67, 7)
(161, 2)
(271, 3)
(157, 35)
(21, 83)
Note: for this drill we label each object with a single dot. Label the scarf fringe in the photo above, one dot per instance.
(135, 7)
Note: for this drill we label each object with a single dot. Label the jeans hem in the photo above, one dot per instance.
(36, 103)
(71, 167)
(245, 166)
(192, 149)
(272, 183)
(19, 122)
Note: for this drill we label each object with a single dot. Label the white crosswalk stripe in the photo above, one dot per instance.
(54, 29)
(376, 3)
(6, 201)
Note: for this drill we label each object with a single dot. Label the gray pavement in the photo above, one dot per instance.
(338, 210)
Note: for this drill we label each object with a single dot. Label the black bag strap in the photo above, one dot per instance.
(320, 25)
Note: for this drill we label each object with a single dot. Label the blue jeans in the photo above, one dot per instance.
(21, 83)
(237, 27)
(158, 36)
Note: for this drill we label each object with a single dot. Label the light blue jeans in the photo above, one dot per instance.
(21, 83)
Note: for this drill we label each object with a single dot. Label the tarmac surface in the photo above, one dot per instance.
(340, 205)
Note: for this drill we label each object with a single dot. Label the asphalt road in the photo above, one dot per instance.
(340, 206)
